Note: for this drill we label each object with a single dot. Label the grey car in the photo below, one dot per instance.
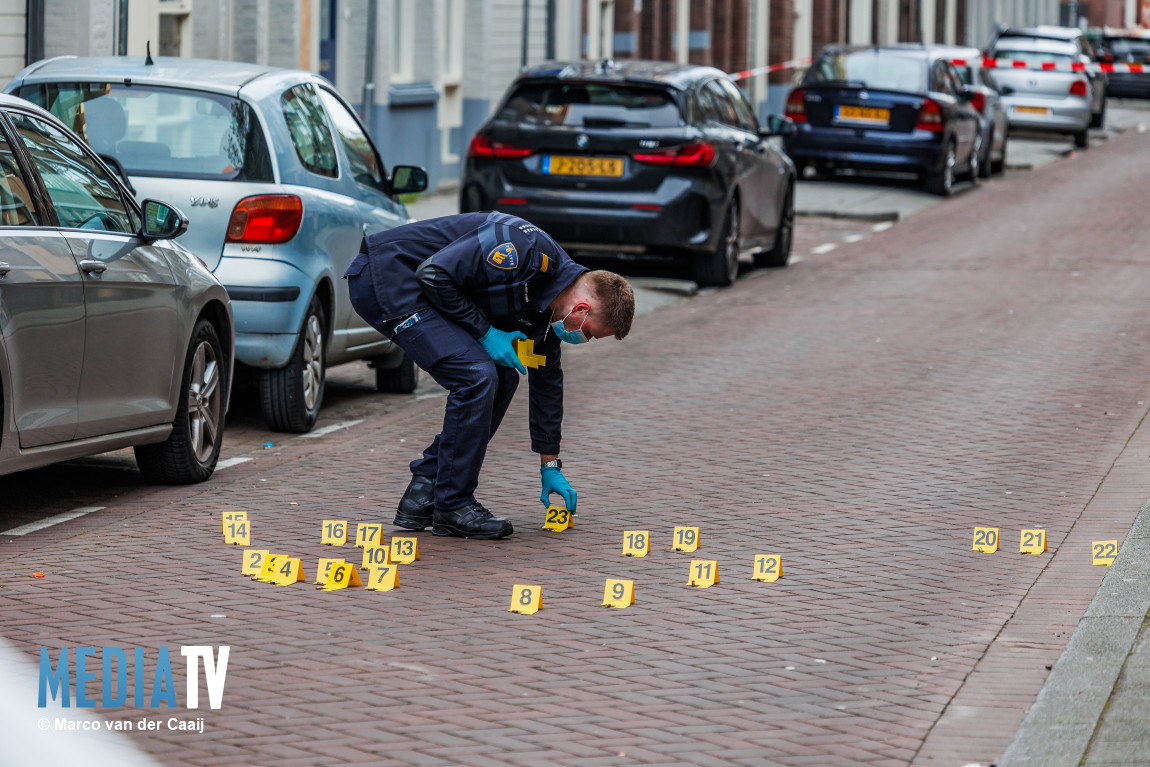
(111, 334)
(280, 182)
(980, 84)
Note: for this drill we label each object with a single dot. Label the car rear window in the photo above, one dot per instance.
(165, 132)
(873, 69)
(591, 105)
(1120, 46)
(1035, 58)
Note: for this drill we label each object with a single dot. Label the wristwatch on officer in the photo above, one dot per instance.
(556, 464)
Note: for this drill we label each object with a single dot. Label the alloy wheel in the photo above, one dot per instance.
(204, 401)
(312, 361)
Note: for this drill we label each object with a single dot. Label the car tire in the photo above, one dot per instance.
(471, 201)
(190, 452)
(778, 256)
(399, 379)
(1097, 120)
(720, 268)
(941, 181)
(999, 165)
(974, 162)
(985, 166)
(1082, 139)
(290, 397)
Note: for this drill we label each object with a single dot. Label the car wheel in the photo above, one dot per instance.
(974, 162)
(397, 379)
(471, 201)
(999, 165)
(190, 452)
(290, 396)
(941, 181)
(984, 164)
(721, 267)
(1082, 139)
(1097, 120)
(780, 254)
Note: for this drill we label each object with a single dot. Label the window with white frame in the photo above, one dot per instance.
(402, 41)
(452, 41)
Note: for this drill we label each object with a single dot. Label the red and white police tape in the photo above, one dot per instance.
(1050, 66)
(792, 64)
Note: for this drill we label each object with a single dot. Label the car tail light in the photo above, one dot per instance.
(797, 105)
(1108, 58)
(1078, 88)
(978, 101)
(693, 155)
(481, 146)
(511, 201)
(930, 116)
(267, 219)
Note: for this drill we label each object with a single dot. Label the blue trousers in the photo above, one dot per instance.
(478, 392)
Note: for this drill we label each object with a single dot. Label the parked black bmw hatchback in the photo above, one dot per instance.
(637, 157)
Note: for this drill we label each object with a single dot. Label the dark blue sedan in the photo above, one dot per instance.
(891, 109)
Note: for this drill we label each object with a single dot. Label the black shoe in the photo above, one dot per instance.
(472, 521)
(417, 504)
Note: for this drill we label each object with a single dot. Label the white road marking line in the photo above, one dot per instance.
(431, 395)
(882, 226)
(826, 247)
(32, 527)
(228, 462)
(854, 238)
(330, 428)
(794, 259)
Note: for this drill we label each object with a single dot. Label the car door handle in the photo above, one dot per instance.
(92, 266)
(4, 269)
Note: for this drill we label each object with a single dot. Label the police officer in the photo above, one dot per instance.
(453, 293)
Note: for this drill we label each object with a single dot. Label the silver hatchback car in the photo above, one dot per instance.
(111, 334)
(280, 182)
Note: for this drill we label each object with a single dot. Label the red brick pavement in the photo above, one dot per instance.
(984, 363)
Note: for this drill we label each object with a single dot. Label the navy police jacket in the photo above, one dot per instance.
(479, 270)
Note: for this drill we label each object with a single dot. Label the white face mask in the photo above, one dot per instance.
(570, 336)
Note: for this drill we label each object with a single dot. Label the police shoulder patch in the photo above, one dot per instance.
(503, 256)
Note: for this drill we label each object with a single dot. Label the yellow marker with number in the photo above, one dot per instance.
(383, 578)
(618, 593)
(558, 519)
(333, 532)
(404, 551)
(368, 535)
(1032, 542)
(341, 576)
(1104, 552)
(235, 516)
(985, 540)
(254, 561)
(526, 352)
(768, 567)
(267, 571)
(323, 568)
(236, 532)
(527, 600)
(685, 539)
(375, 556)
(288, 570)
(636, 543)
(704, 573)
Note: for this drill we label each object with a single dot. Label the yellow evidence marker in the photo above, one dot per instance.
(341, 576)
(636, 543)
(985, 540)
(404, 551)
(768, 567)
(685, 539)
(375, 556)
(618, 593)
(1104, 552)
(704, 573)
(333, 532)
(527, 355)
(237, 532)
(267, 570)
(558, 519)
(368, 535)
(323, 568)
(253, 561)
(1032, 542)
(527, 600)
(289, 570)
(235, 516)
(383, 578)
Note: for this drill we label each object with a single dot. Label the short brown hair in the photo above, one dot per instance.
(616, 298)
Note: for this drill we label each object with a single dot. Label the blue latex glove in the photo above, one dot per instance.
(555, 482)
(497, 344)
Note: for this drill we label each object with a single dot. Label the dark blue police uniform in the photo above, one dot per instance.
(434, 287)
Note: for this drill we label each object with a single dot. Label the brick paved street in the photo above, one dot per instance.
(986, 362)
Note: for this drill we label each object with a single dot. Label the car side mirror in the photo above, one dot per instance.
(162, 221)
(408, 179)
(777, 125)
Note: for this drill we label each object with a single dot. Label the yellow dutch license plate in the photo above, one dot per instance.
(1031, 110)
(558, 165)
(869, 115)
